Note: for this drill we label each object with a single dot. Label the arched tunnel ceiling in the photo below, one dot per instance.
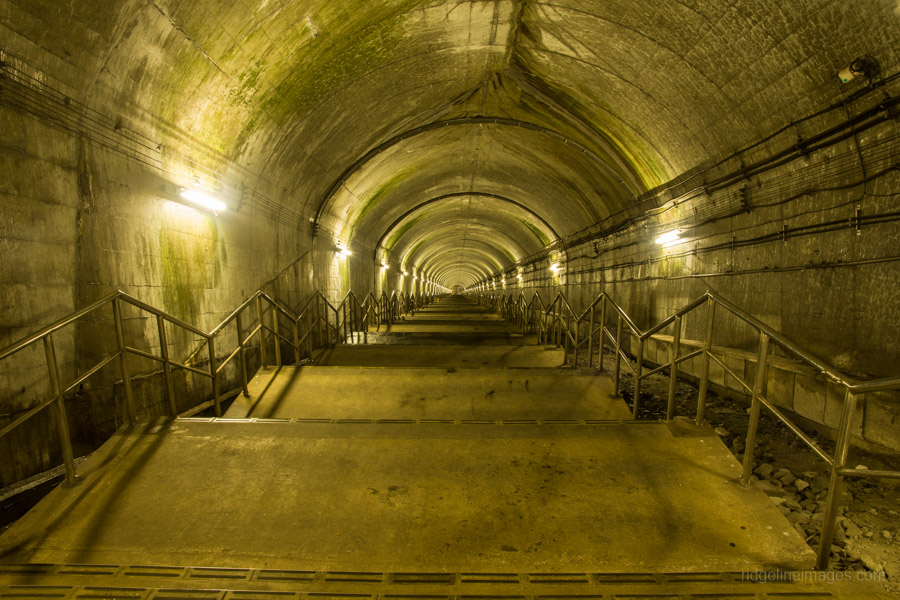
(330, 107)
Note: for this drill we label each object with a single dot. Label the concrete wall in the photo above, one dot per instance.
(81, 217)
(782, 245)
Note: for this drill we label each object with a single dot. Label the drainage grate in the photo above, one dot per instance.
(557, 578)
(25, 592)
(489, 578)
(160, 572)
(618, 578)
(34, 569)
(169, 594)
(287, 576)
(88, 570)
(110, 593)
(218, 573)
(354, 577)
(245, 595)
(423, 578)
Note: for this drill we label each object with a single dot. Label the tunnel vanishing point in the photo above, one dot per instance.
(398, 175)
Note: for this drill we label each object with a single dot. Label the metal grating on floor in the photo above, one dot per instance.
(22, 573)
(138, 582)
(24, 592)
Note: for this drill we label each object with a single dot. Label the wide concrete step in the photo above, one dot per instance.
(459, 337)
(429, 393)
(385, 355)
(457, 326)
(619, 498)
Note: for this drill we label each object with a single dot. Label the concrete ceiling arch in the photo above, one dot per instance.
(420, 246)
(464, 207)
(348, 114)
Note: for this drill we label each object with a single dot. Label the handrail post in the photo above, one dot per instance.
(309, 333)
(62, 423)
(618, 367)
(123, 362)
(276, 335)
(262, 333)
(673, 370)
(296, 331)
(704, 366)
(167, 365)
(215, 375)
(576, 324)
(591, 339)
(836, 481)
(638, 376)
(242, 354)
(602, 333)
(759, 385)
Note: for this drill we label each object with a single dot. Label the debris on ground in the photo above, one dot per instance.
(867, 532)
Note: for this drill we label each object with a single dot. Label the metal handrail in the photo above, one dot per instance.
(853, 387)
(350, 317)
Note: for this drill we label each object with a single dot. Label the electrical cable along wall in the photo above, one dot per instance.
(781, 224)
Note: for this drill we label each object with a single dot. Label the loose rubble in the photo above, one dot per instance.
(867, 531)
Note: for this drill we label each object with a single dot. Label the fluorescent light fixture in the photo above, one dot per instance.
(344, 251)
(203, 200)
(555, 267)
(669, 238)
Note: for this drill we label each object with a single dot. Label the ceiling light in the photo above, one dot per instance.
(203, 200)
(555, 267)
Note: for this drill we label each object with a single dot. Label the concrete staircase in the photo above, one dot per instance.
(450, 458)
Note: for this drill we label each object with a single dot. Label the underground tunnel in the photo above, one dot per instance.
(527, 221)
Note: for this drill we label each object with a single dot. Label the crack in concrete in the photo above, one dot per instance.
(188, 38)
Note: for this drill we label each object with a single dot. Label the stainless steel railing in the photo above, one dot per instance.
(558, 323)
(318, 323)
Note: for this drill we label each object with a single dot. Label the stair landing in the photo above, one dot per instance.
(460, 498)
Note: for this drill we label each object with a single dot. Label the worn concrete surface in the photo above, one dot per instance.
(618, 498)
(418, 393)
(441, 356)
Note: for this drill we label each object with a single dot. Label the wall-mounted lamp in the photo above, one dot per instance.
(669, 238)
(203, 200)
(555, 267)
(864, 66)
(405, 273)
(344, 251)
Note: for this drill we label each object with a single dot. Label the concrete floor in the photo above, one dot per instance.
(443, 355)
(495, 469)
(428, 393)
(401, 498)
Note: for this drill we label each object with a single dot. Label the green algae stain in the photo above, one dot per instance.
(191, 263)
(401, 231)
(339, 55)
(344, 275)
(538, 233)
(379, 194)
